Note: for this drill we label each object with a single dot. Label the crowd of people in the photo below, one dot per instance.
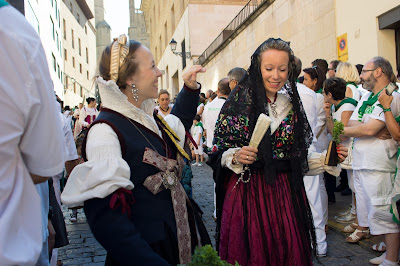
(265, 132)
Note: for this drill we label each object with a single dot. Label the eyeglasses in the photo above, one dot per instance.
(367, 70)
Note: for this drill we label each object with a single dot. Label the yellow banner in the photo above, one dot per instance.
(342, 46)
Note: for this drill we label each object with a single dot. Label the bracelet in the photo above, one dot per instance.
(386, 109)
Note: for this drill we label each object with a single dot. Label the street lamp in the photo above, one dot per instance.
(173, 45)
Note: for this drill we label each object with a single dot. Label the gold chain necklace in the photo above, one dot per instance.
(141, 133)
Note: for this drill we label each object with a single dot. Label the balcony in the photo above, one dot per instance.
(247, 15)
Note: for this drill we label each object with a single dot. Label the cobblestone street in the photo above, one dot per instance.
(84, 249)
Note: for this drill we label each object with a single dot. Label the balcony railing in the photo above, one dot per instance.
(249, 12)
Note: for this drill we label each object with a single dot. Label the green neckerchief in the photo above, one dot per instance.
(346, 100)
(319, 91)
(200, 124)
(3, 3)
(371, 100)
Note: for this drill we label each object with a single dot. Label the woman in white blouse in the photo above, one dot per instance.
(88, 113)
(349, 73)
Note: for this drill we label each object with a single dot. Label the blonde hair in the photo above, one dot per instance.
(348, 72)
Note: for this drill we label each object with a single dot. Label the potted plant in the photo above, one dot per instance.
(331, 158)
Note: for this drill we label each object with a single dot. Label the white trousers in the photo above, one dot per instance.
(318, 199)
(350, 179)
(373, 189)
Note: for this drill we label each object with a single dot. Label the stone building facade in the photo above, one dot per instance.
(79, 50)
(137, 29)
(45, 19)
(193, 24)
(311, 26)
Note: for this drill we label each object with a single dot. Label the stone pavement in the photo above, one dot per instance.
(85, 250)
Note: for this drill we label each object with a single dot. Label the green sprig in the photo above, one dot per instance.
(206, 255)
(338, 129)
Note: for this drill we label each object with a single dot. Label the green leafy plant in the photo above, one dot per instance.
(206, 255)
(338, 129)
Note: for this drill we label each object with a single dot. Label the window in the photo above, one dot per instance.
(65, 55)
(160, 49)
(51, 2)
(78, 18)
(72, 38)
(66, 82)
(172, 19)
(87, 55)
(70, 6)
(65, 29)
(52, 28)
(166, 34)
(79, 46)
(55, 9)
(54, 62)
(87, 75)
(80, 68)
(73, 61)
(74, 87)
(58, 43)
(85, 29)
(81, 90)
(58, 71)
(183, 54)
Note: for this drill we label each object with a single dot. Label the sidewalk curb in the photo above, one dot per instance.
(365, 243)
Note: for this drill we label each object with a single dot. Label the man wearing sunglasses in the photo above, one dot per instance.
(332, 68)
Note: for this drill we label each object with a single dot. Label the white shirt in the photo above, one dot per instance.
(309, 98)
(355, 91)
(77, 112)
(323, 139)
(198, 108)
(210, 116)
(362, 91)
(371, 153)
(70, 147)
(160, 112)
(31, 138)
(198, 131)
(85, 111)
(338, 117)
(68, 115)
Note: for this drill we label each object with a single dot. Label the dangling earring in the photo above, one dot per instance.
(135, 92)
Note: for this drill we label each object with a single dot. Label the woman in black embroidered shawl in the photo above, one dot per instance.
(266, 221)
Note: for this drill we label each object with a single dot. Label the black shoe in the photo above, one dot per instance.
(341, 187)
(346, 192)
(331, 198)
